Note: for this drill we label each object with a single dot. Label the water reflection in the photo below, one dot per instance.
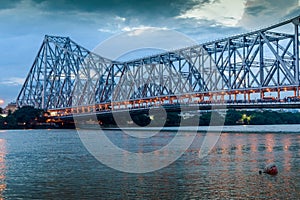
(2, 167)
(54, 164)
(288, 155)
(237, 158)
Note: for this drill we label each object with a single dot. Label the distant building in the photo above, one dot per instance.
(11, 106)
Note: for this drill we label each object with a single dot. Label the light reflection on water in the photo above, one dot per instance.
(53, 164)
(2, 167)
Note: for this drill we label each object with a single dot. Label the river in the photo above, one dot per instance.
(54, 164)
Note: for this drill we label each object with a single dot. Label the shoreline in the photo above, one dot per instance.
(283, 128)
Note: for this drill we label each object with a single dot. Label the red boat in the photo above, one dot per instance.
(270, 169)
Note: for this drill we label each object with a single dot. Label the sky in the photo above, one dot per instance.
(24, 23)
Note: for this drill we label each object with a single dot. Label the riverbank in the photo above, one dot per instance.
(283, 128)
(30, 118)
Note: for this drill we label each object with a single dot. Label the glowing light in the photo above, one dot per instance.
(246, 119)
(1, 101)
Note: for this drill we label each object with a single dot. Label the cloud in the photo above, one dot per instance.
(264, 13)
(224, 12)
(118, 18)
(255, 10)
(13, 81)
(5, 4)
(104, 30)
(142, 41)
(139, 30)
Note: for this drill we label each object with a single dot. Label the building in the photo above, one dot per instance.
(10, 107)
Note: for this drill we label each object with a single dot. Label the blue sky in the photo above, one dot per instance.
(23, 24)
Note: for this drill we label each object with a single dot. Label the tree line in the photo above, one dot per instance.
(230, 117)
(25, 117)
(29, 117)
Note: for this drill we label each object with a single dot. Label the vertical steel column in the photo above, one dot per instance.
(229, 70)
(278, 72)
(112, 79)
(261, 65)
(296, 51)
(68, 77)
(44, 73)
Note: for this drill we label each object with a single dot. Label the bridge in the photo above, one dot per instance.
(257, 69)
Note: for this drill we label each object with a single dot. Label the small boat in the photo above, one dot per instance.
(270, 169)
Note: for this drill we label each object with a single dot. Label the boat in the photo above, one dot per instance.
(270, 169)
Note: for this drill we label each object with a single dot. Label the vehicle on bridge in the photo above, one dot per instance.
(268, 99)
(291, 99)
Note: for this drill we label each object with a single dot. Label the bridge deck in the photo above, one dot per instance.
(186, 107)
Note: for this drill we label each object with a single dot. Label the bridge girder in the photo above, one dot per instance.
(64, 74)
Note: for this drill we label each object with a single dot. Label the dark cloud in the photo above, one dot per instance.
(6, 4)
(255, 10)
(293, 13)
(120, 7)
(263, 13)
(31, 15)
(208, 30)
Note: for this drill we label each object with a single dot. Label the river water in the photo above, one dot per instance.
(54, 164)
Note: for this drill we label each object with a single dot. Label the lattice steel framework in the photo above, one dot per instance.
(65, 74)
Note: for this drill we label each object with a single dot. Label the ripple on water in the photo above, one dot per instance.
(49, 164)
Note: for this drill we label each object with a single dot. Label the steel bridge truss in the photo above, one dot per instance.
(66, 75)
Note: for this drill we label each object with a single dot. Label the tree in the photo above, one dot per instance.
(205, 119)
(27, 116)
(257, 119)
(232, 117)
(10, 122)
